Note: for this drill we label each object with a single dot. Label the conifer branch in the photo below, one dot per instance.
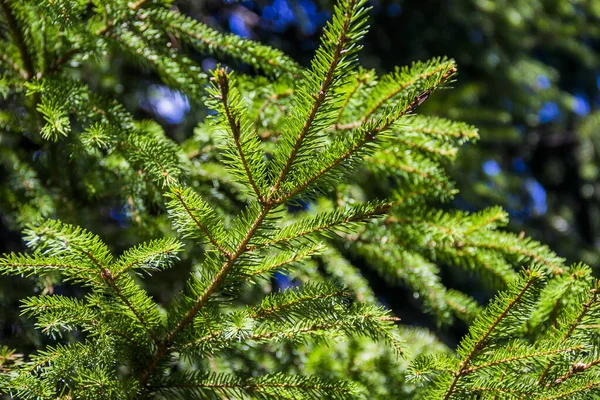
(554, 267)
(586, 307)
(276, 263)
(439, 127)
(206, 39)
(144, 256)
(369, 133)
(404, 85)
(293, 298)
(272, 142)
(15, 264)
(496, 390)
(576, 368)
(430, 177)
(104, 30)
(418, 100)
(294, 332)
(316, 329)
(324, 223)
(271, 385)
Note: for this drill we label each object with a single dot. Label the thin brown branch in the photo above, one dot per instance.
(576, 368)
(201, 226)
(391, 94)
(586, 307)
(355, 218)
(234, 125)
(110, 280)
(521, 357)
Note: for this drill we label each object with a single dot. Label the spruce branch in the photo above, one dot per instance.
(272, 142)
(582, 390)
(576, 368)
(236, 131)
(534, 354)
(525, 249)
(198, 35)
(60, 313)
(403, 84)
(74, 243)
(282, 260)
(290, 303)
(154, 255)
(113, 284)
(441, 128)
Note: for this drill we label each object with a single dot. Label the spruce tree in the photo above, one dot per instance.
(271, 182)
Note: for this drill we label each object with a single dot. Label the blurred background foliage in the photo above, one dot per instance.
(529, 79)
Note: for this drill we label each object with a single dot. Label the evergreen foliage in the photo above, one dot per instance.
(270, 183)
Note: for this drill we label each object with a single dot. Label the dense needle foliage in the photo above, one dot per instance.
(271, 183)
